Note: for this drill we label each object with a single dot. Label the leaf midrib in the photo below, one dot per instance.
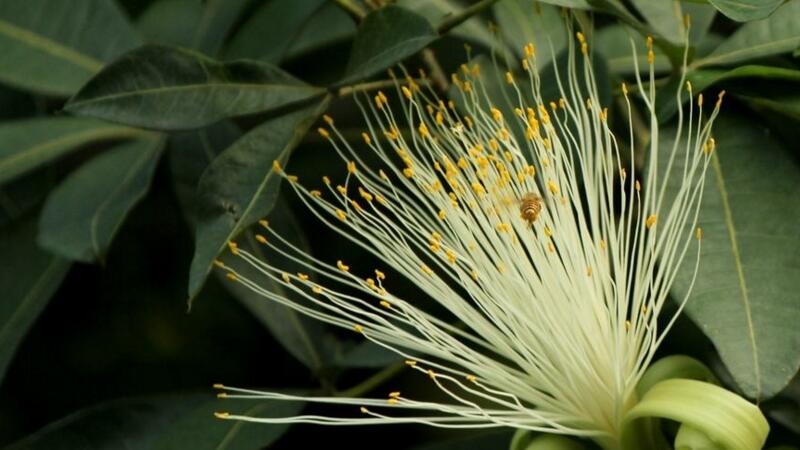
(729, 224)
(187, 87)
(49, 46)
(711, 59)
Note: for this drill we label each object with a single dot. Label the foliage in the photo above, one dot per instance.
(116, 114)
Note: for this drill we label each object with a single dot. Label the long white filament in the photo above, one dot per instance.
(557, 317)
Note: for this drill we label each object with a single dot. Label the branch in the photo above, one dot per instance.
(455, 20)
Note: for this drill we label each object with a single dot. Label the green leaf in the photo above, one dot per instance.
(190, 154)
(614, 43)
(473, 30)
(239, 187)
(783, 98)
(168, 88)
(30, 143)
(327, 26)
(168, 422)
(780, 33)
(82, 215)
(190, 23)
(54, 47)
(744, 10)
(745, 295)
(277, 22)
(575, 4)
(524, 21)
(27, 285)
(384, 38)
(702, 79)
(665, 17)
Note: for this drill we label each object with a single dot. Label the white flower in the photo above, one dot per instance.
(551, 256)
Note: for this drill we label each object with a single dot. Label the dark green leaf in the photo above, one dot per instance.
(780, 33)
(665, 18)
(82, 215)
(614, 43)
(746, 10)
(170, 422)
(576, 4)
(28, 279)
(524, 21)
(327, 26)
(473, 30)
(53, 47)
(239, 187)
(745, 295)
(170, 89)
(190, 23)
(190, 154)
(384, 38)
(702, 79)
(277, 22)
(778, 98)
(31, 143)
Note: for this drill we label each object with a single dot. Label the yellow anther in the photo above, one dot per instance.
(442, 214)
(358, 328)
(689, 87)
(351, 167)
(581, 37)
(380, 275)
(328, 119)
(496, 115)
(649, 42)
(551, 247)
(451, 256)
(276, 166)
(355, 205)
(342, 190)
(471, 378)
(426, 270)
(530, 50)
(264, 223)
(411, 362)
(341, 215)
(292, 178)
(547, 231)
(222, 395)
(261, 239)
(407, 92)
(231, 276)
(525, 65)
(395, 394)
(552, 187)
(327, 180)
(392, 401)
(315, 193)
(233, 247)
(316, 289)
(423, 130)
(602, 244)
(435, 246)
(624, 89)
(623, 174)
(408, 172)
(383, 175)
(342, 266)
(474, 275)
(509, 157)
(302, 276)
(637, 185)
(700, 100)
(651, 57)
(439, 118)
(650, 221)
(286, 277)
(380, 199)
(709, 146)
(221, 415)
(219, 264)
(385, 304)
(366, 138)
(719, 98)
(431, 373)
(364, 410)
(323, 132)
(503, 227)
(627, 325)
(478, 188)
(365, 195)
(509, 78)
(589, 271)
(218, 386)
(698, 234)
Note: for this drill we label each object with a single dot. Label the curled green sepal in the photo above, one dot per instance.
(526, 440)
(725, 420)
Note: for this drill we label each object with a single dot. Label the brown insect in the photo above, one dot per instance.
(530, 205)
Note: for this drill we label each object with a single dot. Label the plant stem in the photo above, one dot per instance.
(352, 8)
(455, 20)
(436, 73)
(372, 85)
(371, 382)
